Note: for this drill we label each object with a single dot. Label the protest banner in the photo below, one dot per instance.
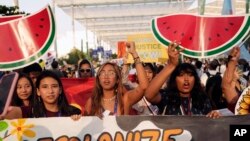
(121, 128)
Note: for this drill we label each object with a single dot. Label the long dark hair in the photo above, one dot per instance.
(16, 101)
(39, 109)
(97, 108)
(151, 66)
(197, 93)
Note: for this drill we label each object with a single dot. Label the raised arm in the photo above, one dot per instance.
(152, 92)
(133, 96)
(125, 69)
(227, 81)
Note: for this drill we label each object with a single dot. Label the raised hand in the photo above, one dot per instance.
(235, 54)
(214, 114)
(131, 48)
(173, 53)
(75, 117)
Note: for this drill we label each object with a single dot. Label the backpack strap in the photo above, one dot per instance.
(219, 68)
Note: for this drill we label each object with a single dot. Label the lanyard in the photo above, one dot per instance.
(116, 105)
(149, 106)
(188, 112)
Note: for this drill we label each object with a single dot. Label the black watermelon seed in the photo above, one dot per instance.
(209, 38)
(190, 38)
(168, 27)
(218, 35)
(42, 19)
(226, 29)
(37, 34)
(41, 26)
(231, 24)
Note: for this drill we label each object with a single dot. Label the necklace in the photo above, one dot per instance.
(115, 105)
(109, 99)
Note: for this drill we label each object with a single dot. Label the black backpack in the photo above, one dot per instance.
(214, 91)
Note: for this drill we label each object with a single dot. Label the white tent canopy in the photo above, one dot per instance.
(114, 20)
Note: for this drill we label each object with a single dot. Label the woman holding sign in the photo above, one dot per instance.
(232, 88)
(184, 94)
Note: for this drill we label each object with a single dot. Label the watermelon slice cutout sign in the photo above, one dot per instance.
(25, 40)
(201, 36)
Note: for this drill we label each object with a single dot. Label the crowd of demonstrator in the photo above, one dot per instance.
(175, 88)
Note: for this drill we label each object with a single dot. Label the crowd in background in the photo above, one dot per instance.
(172, 88)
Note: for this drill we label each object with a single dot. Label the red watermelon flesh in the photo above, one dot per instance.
(199, 33)
(9, 18)
(24, 37)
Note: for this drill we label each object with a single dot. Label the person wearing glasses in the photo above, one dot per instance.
(85, 69)
(110, 97)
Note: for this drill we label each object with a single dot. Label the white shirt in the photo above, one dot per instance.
(204, 76)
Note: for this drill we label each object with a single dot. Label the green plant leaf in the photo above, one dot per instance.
(3, 126)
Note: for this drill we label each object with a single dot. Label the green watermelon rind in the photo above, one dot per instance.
(30, 60)
(210, 53)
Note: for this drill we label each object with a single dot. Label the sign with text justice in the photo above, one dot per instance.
(23, 40)
(121, 128)
(202, 36)
(148, 48)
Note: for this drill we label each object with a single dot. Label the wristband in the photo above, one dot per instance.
(137, 62)
(127, 64)
(136, 58)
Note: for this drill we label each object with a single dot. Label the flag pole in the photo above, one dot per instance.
(55, 40)
(16, 3)
(248, 36)
(247, 6)
(201, 6)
